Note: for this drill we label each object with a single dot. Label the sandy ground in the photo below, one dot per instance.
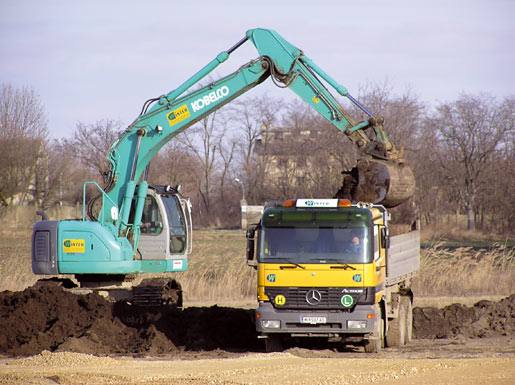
(51, 336)
(473, 361)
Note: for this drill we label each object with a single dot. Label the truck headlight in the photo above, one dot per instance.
(356, 324)
(272, 324)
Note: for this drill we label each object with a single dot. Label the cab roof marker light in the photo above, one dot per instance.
(344, 203)
(290, 203)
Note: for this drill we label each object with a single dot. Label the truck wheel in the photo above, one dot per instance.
(375, 345)
(396, 334)
(409, 318)
(274, 343)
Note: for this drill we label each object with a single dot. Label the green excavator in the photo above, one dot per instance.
(140, 228)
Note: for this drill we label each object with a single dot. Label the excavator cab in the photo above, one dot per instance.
(165, 225)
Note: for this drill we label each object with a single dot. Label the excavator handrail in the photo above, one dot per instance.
(104, 195)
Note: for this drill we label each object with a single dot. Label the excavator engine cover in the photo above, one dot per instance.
(385, 182)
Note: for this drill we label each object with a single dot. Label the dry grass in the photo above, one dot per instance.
(452, 236)
(218, 272)
(218, 269)
(466, 271)
(15, 269)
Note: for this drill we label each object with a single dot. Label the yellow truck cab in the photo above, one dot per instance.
(328, 268)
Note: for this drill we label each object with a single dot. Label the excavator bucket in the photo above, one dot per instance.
(385, 182)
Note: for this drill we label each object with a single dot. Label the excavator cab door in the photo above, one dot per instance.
(166, 226)
(178, 219)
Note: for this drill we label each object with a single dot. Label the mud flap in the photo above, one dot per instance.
(375, 342)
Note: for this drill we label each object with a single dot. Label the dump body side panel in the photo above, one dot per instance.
(403, 257)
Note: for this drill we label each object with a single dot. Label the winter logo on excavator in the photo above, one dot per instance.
(74, 246)
(178, 115)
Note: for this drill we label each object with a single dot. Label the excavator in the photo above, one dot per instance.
(141, 228)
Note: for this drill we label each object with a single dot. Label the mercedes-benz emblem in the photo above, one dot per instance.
(313, 297)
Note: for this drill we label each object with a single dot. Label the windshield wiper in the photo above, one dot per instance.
(341, 265)
(291, 267)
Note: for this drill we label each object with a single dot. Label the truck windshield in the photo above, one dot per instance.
(315, 244)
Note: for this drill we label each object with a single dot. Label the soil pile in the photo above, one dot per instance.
(484, 319)
(46, 317)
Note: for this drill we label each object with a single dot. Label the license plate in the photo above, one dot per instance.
(313, 320)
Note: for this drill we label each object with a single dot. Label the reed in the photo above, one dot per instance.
(218, 269)
(466, 271)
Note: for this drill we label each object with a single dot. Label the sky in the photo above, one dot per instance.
(93, 60)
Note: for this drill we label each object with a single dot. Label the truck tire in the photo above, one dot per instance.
(409, 318)
(375, 345)
(396, 334)
(274, 343)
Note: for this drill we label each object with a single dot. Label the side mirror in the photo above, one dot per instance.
(250, 249)
(251, 245)
(385, 238)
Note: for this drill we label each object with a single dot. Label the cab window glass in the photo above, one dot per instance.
(151, 220)
(176, 222)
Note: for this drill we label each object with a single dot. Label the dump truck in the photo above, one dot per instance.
(132, 227)
(330, 268)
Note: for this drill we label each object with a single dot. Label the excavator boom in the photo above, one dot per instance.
(110, 244)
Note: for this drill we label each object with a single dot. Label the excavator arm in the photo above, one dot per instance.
(107, 250)
(288, 67)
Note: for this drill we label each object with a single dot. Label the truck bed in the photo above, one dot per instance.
(403, 258)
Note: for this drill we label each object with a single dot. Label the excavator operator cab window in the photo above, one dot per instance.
(151, 220)
(176, 222)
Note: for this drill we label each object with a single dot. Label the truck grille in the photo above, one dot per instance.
(330, 297)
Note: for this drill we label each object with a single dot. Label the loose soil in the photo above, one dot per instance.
(80, 339)
(47, 317)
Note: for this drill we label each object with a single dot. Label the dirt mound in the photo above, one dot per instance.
(484, 319)
(46, 317)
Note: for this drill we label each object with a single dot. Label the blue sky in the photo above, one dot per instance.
(92, 60)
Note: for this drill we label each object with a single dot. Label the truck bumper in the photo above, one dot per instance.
(314, 323)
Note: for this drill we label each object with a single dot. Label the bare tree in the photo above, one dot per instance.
(202, 141)
(23, 132)
(403, 113)
(175, 165)
(226, 152)
(59, 177)
(471, 130)
(252, 118)
(495, 209)
(91, 143)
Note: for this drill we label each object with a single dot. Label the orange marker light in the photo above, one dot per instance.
(258, 315)
(344, 203)
(370, 316)
(290, 203)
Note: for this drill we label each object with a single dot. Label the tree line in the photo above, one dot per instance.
(462, 153)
